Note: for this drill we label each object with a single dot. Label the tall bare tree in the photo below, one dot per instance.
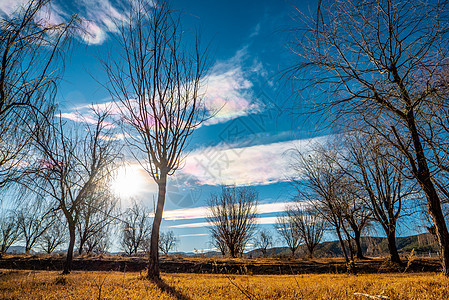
(30, 65)
(287, 229)
(232, 217)
(76, 161)
(155, 79)
(321, 186)
(379, 171)
(382, 63)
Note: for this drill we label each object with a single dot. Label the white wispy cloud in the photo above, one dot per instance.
(262, 221)
(253, 165)
(228, 92)
(89, 119)
(202, 211)
(229, 89)
(194, 234)
(98, 17)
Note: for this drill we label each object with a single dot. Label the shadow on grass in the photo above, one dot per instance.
(163, 286)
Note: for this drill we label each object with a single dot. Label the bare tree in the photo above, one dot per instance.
(232, 217)
(98, 212)
(321, 187)
(263, 240)
(380, 173)
(76, 161)
(356, 213)
(54, 236)
(34, 218)
(311, 227)
(9, 230)
(286, 228)
(30, 65)
(156, 84)
(384, 63)
(167, 242)
(219, 243)
(136, 228)
(99, 242)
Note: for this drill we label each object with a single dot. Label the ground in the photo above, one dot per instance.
(23, 284)
(115, 277)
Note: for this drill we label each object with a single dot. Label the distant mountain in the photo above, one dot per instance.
(16, 249)
(424, 244)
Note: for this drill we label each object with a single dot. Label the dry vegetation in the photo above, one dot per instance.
(119, 285)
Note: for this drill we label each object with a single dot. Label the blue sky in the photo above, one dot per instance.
(246, 143)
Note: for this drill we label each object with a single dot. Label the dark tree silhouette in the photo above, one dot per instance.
(155, 79)
(232, 217)
(286, 228)
(384, 63)
(31, 63)
(76, 161)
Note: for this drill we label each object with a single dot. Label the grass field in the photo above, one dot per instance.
(118, 285)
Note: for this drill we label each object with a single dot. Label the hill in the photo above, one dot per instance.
(424, 245)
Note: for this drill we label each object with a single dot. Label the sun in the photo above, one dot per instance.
(129, 181)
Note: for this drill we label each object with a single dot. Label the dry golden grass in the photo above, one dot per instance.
(116, 285)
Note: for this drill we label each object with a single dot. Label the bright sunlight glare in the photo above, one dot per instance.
(129, 181)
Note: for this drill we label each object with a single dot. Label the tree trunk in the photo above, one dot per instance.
(433, 200)
(391, 237)
(310, 248)
(342, 245)
(69, 259)
(293, 251)
(358, 244)
(232, 251)
(153, 266)
(80, 249)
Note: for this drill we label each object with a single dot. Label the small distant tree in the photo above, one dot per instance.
(167, 242)
(136, 228)
(99, 242)
(54, 236)
(9, 230)
(34, 218)
(99, 211)
(287, 229)
(263, 240)
(311, 227)
(232, 218)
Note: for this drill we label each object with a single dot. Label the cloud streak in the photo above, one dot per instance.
(261, 221)
(98, 17)
(253, 165)
(202, 211)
